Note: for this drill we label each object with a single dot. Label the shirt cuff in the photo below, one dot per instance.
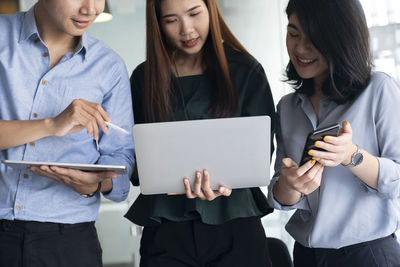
(302, 204)
(121, 184)
(118, 193)
(388, 178)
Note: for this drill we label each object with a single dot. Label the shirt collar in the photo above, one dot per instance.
(301, 97)
(29, 28)
(82, 46)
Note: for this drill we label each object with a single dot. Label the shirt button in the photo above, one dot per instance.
(35, 115)
(45, 54)
(44, 82)
(36, 40)
(26, 176)
(19, 207)
(32, 143)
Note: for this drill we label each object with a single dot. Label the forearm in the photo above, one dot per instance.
(15, 133)
(368, 170)
(285, 195)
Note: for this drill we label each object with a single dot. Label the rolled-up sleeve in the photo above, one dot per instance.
(389, 178)
(387, 124)
(117, 148)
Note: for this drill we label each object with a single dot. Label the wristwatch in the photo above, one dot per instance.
(92, 194)
(356, 159)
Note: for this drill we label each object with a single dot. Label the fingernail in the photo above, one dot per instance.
(317, 144)
(313, 162)
(326, 138)
(310, 152)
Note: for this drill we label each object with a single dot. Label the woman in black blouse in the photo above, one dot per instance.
(197, 69)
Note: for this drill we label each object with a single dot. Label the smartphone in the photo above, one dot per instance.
(318, 135)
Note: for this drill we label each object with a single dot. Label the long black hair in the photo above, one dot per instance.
(159, 75)
(339, 31)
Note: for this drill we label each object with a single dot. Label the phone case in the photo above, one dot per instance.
(318, 135)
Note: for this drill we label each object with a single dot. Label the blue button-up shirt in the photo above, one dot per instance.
(344, 210)
(30, 90)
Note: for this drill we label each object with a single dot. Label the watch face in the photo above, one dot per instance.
(357, 158)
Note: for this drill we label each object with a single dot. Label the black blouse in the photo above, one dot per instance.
(193, 103)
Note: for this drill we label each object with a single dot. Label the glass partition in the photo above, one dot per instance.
(383, 19)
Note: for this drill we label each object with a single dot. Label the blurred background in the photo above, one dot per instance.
(261, 27)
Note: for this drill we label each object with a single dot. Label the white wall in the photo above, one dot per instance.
(261, 27)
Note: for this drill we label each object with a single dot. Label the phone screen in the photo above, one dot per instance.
(318, 135)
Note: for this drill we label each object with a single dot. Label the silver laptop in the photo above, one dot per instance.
(235, 151)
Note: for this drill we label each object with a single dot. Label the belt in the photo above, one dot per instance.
(40, 227)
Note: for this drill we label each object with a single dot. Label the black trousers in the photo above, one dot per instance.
(237, 243)
(36, 244)
(383, 252)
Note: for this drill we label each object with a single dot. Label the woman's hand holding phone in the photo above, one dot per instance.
(304, 179)
(336, 150)
(295, 181)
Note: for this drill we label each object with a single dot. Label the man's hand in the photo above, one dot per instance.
(81, 182)
(78, 115)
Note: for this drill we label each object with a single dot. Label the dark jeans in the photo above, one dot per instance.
(383, 252)
(36, 244)
(237, 243)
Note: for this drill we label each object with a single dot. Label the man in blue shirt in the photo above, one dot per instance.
(58, 87)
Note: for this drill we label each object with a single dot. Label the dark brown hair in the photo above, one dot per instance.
(339, 31)
(159, 75)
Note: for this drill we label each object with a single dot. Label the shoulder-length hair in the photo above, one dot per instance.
(159, 75)
(338, 30)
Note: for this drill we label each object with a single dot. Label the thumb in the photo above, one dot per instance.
(346, 127)
(288, 163)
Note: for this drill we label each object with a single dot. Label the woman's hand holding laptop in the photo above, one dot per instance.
(202, 188)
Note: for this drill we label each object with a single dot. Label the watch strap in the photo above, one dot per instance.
(353, 162)
(92, 194)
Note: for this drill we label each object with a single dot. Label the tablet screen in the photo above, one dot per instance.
(21, 164)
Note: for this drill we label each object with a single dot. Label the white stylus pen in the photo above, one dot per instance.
(109, 124)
